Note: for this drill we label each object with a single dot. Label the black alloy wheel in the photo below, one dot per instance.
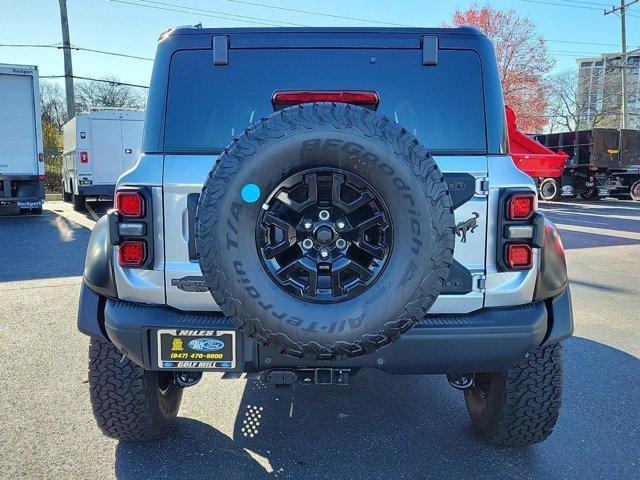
(324, 235)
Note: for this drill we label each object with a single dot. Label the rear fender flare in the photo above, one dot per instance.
(552, 277)
(98, 266)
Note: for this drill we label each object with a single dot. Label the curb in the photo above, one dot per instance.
(53, 197)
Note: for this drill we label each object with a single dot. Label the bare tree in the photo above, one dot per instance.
(53, 104)
(575, 105)
(564, 103)
(108, 92)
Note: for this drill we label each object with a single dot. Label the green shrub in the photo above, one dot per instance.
(53, 174)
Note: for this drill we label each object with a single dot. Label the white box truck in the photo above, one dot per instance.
(98, 147)
(21, 154)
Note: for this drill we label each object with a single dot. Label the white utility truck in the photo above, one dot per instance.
(21, 157)
(98, 147)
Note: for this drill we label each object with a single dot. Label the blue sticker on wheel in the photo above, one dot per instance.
(250, 192)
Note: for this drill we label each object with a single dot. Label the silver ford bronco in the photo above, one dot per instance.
(312, 202)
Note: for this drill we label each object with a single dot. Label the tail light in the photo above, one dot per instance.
(519, 256)
(356, 97)
(130, 204)
(42, 178)
(521, 206)
(132, 253)
(84, 157)
(520, 229)
(131, 227)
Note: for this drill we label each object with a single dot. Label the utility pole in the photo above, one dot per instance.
(623, 10)
(68, 68)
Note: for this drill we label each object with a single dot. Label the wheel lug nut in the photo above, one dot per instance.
(307, 224)
(307, 244)
(324, 253)
(340, 224)
(324, 215)
(341, 243)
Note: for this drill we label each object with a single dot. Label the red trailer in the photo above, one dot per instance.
(542, 164)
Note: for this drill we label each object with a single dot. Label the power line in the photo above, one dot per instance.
(113, 82)
(75, 47)
(105, 52)
(582, 5)
(586, 43)
(562, 5)
(273, 23)
(29, 45)
(576, 51)
(155, 2)
(589, 3)
(310, 12)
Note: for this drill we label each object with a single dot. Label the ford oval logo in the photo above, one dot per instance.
(205, 344)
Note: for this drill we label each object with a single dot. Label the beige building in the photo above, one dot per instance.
(600, 90)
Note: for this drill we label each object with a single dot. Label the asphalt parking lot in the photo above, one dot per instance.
(379, 427)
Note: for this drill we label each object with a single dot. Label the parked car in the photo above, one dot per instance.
(98, 147)
(312, 202)
(21, 154)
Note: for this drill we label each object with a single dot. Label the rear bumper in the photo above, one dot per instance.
(488, 340)
(97, 190)
(21, 191)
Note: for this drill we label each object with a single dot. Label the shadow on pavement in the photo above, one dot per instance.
(42, 246)
(572, 240)
(609, 216)
(383, 426)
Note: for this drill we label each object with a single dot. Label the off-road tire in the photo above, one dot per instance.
(278, 138)
(549, 190)
(127, 400)
(66, 196)
(518, 407)
(78, 202)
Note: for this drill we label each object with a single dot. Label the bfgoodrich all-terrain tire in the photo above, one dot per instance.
(518, 407)
(129, 403)
(325, 230)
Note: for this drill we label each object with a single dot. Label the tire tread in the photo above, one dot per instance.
(528, 408)
(371, 125)
(124, 396)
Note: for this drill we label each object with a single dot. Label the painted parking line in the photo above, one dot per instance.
(91, 211)
(599, 231)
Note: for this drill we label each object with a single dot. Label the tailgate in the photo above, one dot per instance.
(18, 139)
(206, 109)
(106, 151)
(184, 176)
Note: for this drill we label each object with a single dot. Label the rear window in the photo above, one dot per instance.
(442, 106)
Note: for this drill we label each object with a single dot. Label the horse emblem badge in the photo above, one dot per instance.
(467, 226)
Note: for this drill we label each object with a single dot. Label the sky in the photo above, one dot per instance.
(571, 28)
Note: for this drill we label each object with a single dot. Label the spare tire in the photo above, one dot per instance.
(325, 231)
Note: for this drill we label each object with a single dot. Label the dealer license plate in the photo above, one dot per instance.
(199, 348)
